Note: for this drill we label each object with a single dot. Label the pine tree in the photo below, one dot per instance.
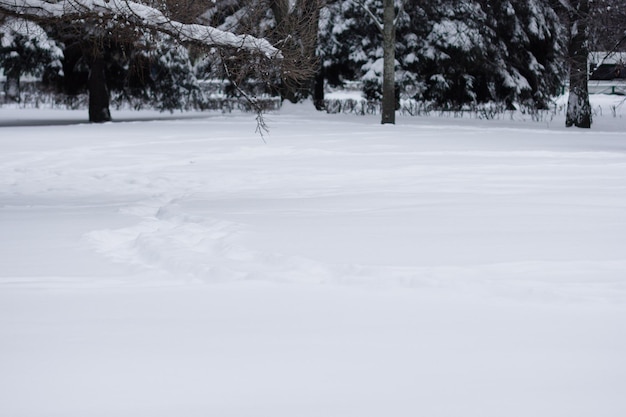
(96, 29)
(451, 52)
(26, 49)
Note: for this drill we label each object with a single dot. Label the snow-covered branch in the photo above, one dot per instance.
(139, 15)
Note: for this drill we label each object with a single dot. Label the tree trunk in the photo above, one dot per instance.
(12, 85)
(389, 63)
(98, 92)
(578, 107)
(318, 89)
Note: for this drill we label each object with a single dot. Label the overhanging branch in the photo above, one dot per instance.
(139, 15)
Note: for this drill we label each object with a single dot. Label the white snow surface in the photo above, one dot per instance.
(179, 265)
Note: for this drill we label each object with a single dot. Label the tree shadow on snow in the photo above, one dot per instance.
(14, 120)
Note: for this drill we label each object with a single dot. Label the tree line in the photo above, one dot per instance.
(449, 53)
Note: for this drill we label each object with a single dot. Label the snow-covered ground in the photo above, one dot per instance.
(441, 267)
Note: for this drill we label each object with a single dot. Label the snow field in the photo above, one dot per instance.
(440, 267)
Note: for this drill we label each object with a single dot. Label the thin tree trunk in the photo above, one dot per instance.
(98, 92)
(578, 107)
(389, 60)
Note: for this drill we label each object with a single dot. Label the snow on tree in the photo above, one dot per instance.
(137, 14)
(157, 71)
(476, 52)
(358, 40)
(530, 39)
(106, 23)
(451, 52)
(290, 25)
(26, 49)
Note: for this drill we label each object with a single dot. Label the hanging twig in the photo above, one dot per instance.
(261, 126)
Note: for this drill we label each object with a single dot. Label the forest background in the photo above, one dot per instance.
(174, 54)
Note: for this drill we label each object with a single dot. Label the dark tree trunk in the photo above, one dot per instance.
(578, 107)
(98, 92)
(389, 60)
(318, 90)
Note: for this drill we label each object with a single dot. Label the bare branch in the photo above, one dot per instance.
(261, 126)
(614, 49)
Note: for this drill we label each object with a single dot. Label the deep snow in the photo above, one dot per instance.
(439, 267)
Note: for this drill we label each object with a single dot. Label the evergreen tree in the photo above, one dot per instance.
(451, 52)
(531, 41)
(158, 72)
(96, 29)
(26, 49)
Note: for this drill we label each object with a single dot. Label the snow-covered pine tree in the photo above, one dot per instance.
(375, 22)
(26, 49)
(106, 19)
(351, 47)
(530, 40)
(451, 52)
(347, 41)
(158, 72)
(477, 52)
